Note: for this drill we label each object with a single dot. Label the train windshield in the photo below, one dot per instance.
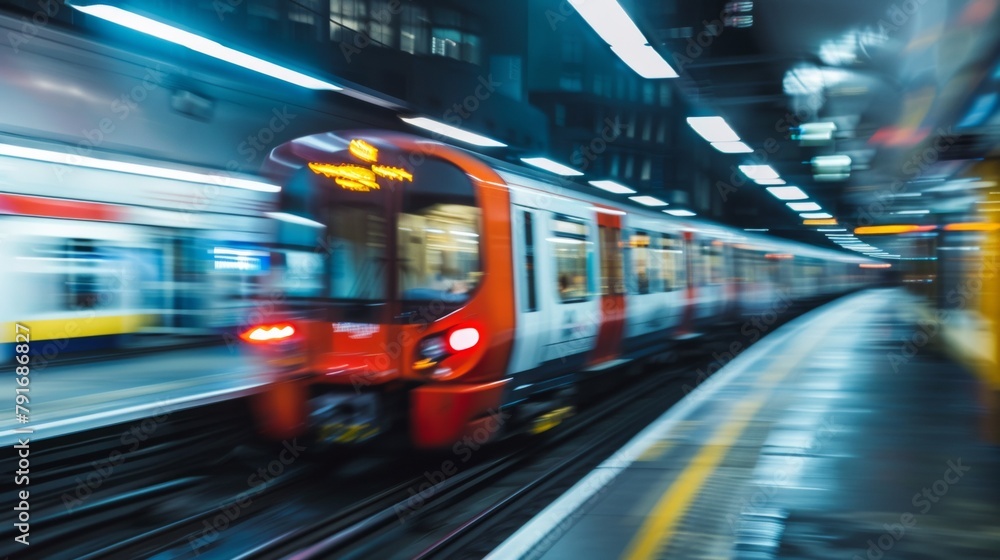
(415, 241)
(438, 236)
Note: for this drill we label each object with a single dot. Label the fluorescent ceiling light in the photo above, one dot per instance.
(293, 219)
(817, 127)
(815, 216)
(552, 166)
(756, 229)
(831, 229)
(610, 21)
(831, 162)
(613, 24)
(732, 147)
(681, 213)
(757, 172)
(713, 129)
(645, 61)
(612, 187)
(221, 178)
(788, 193)
(804, 206)
(648, 200)
(204, 46)
(769, 181)
(912, 212)
(452, 132)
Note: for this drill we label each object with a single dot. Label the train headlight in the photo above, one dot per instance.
(432, 350)
(463, 339)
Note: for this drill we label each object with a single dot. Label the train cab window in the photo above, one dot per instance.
(672, 265)
(640, 278)
(571, 249)
(439, 236)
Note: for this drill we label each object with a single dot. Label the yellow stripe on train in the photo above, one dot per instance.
(78, 326)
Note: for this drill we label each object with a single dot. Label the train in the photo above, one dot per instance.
(106, 252)
(417, 284)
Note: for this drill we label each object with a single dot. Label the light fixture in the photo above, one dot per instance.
(648, 200)
(552, 166)
(788, 193)
(732, 147)
(612, 187)
(756, 229)
(680, 213)
(815, 215)
(831, 229)
(912, 212)
(453, 132)
(758, 172)
(203, 45)
(838, 162)
(713, 129)
(645, 61)
(293, 219)
(613, 24)
(222, 179)
(804, 206)
(769, 181)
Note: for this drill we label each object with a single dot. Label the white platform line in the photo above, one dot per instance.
(545, 522)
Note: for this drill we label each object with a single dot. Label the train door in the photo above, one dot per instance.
(532, 317)
(569, 289)
(612, 315)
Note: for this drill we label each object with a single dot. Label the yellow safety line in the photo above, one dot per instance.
(661, 524)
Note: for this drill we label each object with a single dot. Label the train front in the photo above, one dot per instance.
(390, 303)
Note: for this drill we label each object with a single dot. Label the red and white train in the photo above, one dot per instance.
(415, 282)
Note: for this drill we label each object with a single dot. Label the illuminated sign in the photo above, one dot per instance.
(358, 178)
(392, 173)
(363, 150)
(972, 226)
(824, 222)
(888, 230)
(350, 177)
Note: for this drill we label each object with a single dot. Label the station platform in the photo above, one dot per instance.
(829, 438)
(75, 396)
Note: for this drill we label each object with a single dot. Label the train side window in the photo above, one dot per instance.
(639, 247)
(672, 265)
(711, 252)
(612, 270)
(531, 303)
(569, 246)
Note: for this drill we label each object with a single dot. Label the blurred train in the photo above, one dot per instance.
(419, 283)
(104, 252)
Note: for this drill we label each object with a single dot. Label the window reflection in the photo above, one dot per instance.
(569, 245)
(439, 252)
